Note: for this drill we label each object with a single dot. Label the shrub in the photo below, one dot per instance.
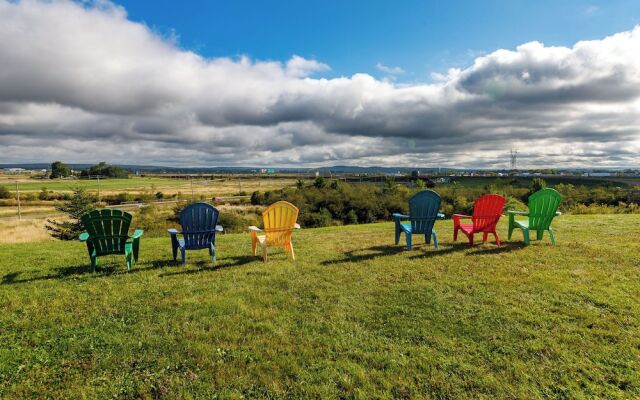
(5, 193)
(79, 204)
(352, 217)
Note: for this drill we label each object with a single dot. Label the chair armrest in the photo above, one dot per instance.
(84, 236)
(518, 212)
(440, 216)
(219, 228)
(172, 231)
(399, 216)
(137, 233)
(255, 228)
(297, 226)
(558, 213)
(461, 216)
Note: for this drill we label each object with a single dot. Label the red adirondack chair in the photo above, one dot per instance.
(487, 210)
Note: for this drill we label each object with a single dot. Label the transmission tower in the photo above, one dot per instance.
(514, 159)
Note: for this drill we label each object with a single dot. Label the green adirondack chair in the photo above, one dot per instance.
(543, 207)
(108, 233)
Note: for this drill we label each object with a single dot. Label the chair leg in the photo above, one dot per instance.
(408, 237)
(136, 249)
(525, 233)
(293, 255)
(398, 232)
(435, 240)
(94, 263)
(553, 239)
(485, 236)
(264, 253)
(174, 247)
(183, 252)
(511, 226)
(254, 243)
(129, 261)
(212, 253)
(455, 234)
(495, 235)
(539, 233)
(470, 236)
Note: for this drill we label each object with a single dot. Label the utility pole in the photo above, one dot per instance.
(18, 196)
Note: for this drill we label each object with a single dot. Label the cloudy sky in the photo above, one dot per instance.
(90, 81)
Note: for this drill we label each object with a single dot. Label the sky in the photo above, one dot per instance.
(319, 83)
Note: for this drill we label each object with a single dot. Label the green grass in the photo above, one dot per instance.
(353, 317)
(92, 184)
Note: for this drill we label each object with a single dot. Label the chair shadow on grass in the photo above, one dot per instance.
(373, 252)
(83, 270)
(422, 251)
(478, 249)
(202, 266)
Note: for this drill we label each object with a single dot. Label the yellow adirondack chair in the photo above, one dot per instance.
(279, 222)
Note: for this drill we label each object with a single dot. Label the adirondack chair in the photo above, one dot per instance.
(107, 233)
(543, 206)
(199, 227)
(423, 212)
(487, 210)
(279, 222)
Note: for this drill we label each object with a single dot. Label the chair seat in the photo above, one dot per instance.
(261, 239)
(406, 227)
(522, 224)
(467, 228)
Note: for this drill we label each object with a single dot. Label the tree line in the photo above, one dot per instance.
(102, 169)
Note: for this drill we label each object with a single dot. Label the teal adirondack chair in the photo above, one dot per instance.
(423, 212)
(543, 207)
(107, 232)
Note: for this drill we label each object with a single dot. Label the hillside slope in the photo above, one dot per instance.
(354, 316)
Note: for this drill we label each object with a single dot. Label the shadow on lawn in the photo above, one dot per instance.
(207, 266)
(83, 270)
(373, 252)
(116, 268)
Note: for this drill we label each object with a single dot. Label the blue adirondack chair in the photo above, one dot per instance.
(423, 212)
(199, 227)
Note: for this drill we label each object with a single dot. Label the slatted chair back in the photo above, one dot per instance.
(279, 222)
(423, 211)
(543, 205)
(108, 230)
(199, 222)
(487, 211)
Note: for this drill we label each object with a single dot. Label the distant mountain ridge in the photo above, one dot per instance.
(337, 169)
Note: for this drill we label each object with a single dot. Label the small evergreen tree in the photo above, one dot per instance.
(538, 184)
(5, 193)
(79, 204)
(320, 183)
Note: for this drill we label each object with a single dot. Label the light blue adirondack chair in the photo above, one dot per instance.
(423, 212)
(199, 227)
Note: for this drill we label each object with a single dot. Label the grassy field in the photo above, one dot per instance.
(219, 187)
(353, 317)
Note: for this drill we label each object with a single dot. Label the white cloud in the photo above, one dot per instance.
(591, 10)
(389, 70)
(81, 82)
